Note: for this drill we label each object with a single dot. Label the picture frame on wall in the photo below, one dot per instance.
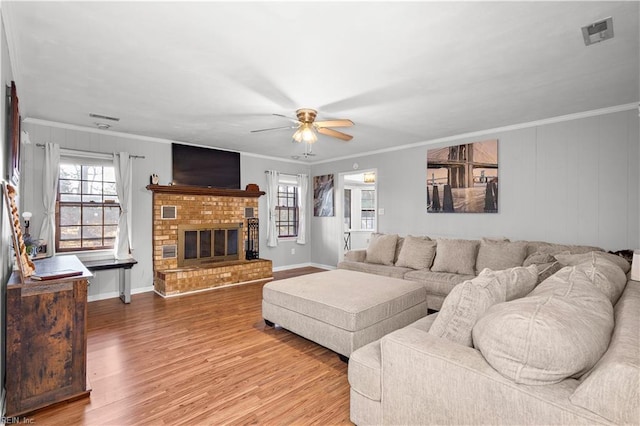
(14, 134)
(323, 196)
(463, 178)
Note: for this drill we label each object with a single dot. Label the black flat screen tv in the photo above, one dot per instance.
(206, 167)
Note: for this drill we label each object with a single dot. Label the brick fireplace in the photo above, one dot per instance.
(199, 238)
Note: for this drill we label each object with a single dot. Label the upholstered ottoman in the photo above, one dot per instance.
(343, 310)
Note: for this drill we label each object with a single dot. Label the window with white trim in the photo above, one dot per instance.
(87, 206)
(287, 212)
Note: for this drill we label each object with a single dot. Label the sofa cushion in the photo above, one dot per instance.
(440, 283)
(612, 388)
(559, 330)
(541, 247)
(498, 255)
(456, 256)
(417, 253)
(545, 270)
(604, 274)
(538, 259)
(372, 268)
(382, 249)
(355, 255)
(576, 259)
(469, 300)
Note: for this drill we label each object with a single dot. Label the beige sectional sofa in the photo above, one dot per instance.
(441, 264)
(567, 352)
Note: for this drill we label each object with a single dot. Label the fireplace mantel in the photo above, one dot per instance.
(197, 190)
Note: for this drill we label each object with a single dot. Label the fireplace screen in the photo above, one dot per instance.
(202, 244)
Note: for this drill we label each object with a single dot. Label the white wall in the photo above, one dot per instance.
(573, 181)
(157, 160)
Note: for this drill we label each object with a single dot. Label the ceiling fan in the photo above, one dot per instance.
(307, 126)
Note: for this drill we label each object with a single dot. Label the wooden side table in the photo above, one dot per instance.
(46, 347)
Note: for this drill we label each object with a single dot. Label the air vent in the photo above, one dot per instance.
(248, 212)
(598, 31)
(104, 117)
(168, 212)
(170, 251)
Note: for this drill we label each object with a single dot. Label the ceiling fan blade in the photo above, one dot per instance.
(335, 134)
(288, 118)
(334, 123)
(273, 128)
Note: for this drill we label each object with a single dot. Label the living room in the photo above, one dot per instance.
(569, 144)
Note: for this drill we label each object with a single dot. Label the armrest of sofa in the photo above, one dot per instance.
(355, 255)
(430, 380)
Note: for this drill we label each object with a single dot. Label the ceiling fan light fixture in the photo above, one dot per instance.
(305, 133)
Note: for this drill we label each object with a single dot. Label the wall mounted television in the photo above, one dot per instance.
(206, 167)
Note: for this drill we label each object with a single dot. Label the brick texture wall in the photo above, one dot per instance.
(193, 209)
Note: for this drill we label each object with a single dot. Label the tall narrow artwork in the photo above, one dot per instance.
(323, 195)
(463, 178)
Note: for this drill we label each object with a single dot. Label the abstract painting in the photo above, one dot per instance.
(323, 195)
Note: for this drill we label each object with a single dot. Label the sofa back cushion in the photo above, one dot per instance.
(417, 253)
(469, 300)
(612, 388)
(382, 249)
(607, 276)
(498, 255)
(560, 330)
(456, 256)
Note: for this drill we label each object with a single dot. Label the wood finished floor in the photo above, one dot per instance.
(206, 358)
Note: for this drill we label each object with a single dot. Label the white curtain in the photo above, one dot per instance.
(273, 178)
(122, 166)
(303, 187)
(49, 191)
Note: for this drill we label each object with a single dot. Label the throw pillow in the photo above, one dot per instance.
(545, 270)
(576, 259)
(498, 255)
(417, 253)
(382, 249)
(538, 258)
(455, 256)
(560, 330)
(468, 301)
(604, 275)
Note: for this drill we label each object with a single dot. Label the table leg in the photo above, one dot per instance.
(124, 283)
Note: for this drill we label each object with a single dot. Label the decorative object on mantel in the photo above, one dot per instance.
(25, 265)
(154, 179)
(466, 175)
(252, 187)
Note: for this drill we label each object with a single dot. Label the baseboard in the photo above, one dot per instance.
(114, 294)
(318, 265)
(302, 265)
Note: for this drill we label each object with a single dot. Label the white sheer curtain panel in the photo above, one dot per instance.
(303, 188)
(50, 176)
(273, 178)
(122, 166)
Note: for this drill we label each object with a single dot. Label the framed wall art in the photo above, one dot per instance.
(463, 178)
(323, 195)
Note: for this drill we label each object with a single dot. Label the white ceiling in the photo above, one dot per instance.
(208, 73)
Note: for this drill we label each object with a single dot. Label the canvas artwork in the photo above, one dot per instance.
(463, 178)
(323, 195)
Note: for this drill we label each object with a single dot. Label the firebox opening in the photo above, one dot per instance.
(208, 243)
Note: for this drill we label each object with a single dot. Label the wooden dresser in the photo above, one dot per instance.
(46, 349)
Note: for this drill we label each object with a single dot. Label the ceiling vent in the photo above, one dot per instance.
(598, 31)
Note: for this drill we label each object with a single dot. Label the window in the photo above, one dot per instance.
(88, 209)
(287, 211)
(367, 209)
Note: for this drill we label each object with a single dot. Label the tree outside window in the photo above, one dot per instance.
(88, 208)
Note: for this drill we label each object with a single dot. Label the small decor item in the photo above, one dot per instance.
(154, 179)
(25, 265)
(252, 187)
(323, 195)
(463, 178)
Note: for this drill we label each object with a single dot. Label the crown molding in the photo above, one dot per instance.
(552, 120)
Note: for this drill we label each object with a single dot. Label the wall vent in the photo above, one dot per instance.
(104, 117)
(168, 212)
(248, 212)
(170, 251)
(598, 31)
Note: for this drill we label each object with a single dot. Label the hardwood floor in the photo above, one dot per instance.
(206, 358)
